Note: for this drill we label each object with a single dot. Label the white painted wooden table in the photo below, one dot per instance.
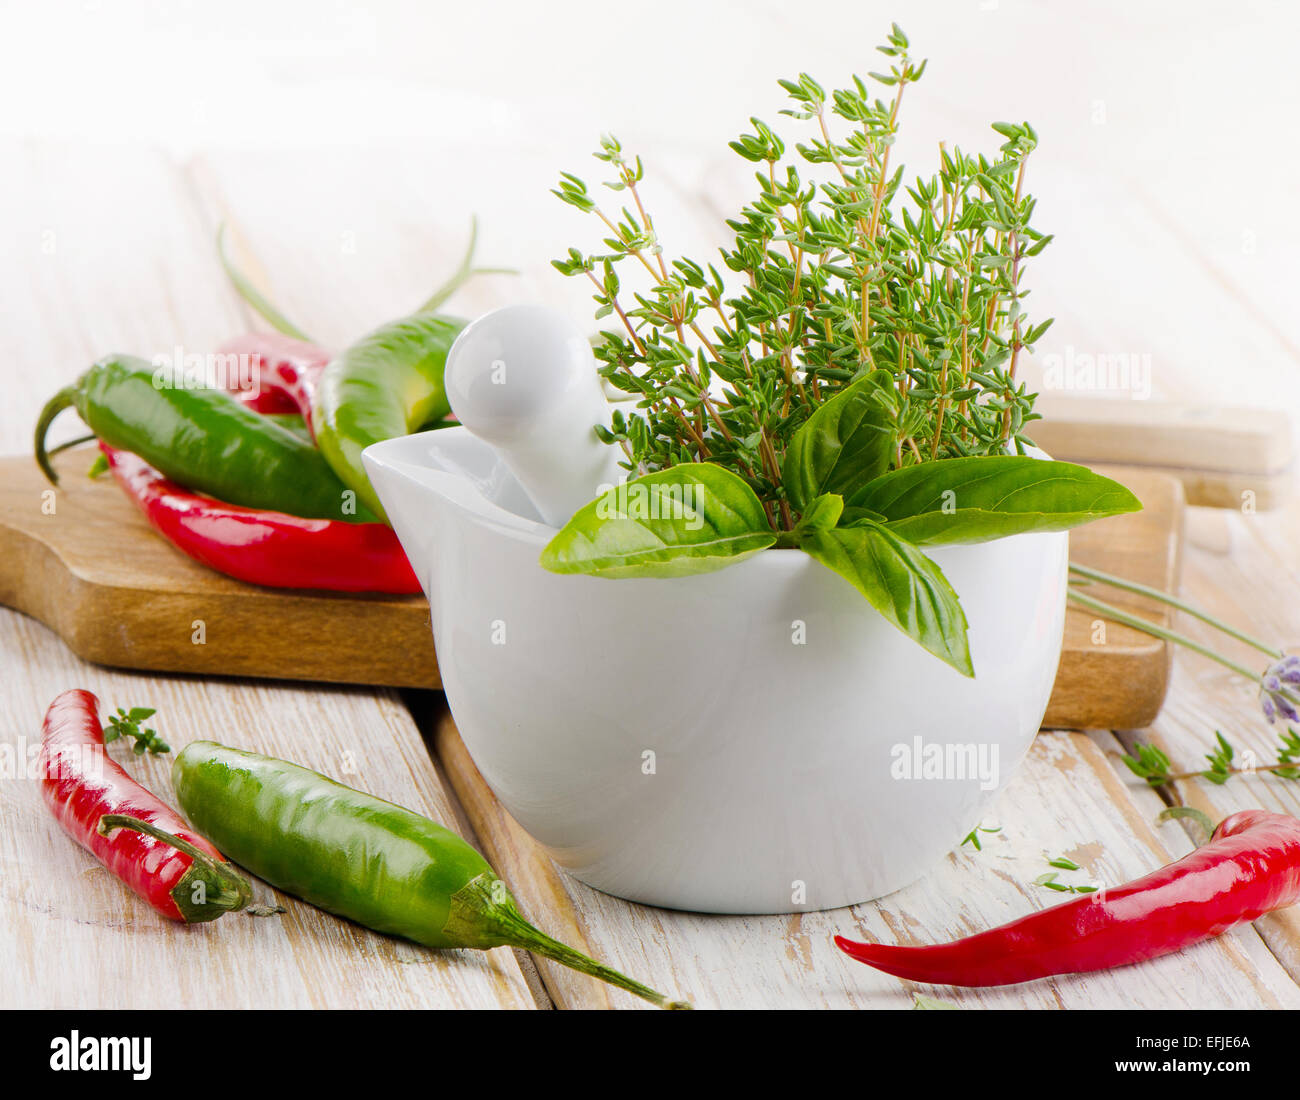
(347, 157)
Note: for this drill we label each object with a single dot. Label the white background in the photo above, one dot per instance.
(1168, 166)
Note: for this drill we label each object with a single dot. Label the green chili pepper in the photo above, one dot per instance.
(362, 858)
(290, 422)
(203, 439)
(388, 383)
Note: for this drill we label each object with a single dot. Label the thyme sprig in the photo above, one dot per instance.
(1152, 765)
(1051, 880)
(826, 279)
(126, 724)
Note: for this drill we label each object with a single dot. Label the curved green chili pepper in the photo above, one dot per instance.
(360, 857)
(203, 439)
(290, 422)
(388, 383)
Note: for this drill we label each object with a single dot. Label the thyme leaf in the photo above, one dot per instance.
(825, 280)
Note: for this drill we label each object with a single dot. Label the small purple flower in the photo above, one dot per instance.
(1277, 689)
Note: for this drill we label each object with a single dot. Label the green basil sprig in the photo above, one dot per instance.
(846, 441)
(692, 518)
(900, 582)
(964, 500)
(865, 524)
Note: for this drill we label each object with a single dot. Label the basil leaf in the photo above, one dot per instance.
(821, 515)
(851, 516)
(900, 582)
(843, 445)
(691, 518)
(963, 500)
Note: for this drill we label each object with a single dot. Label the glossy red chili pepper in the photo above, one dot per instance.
(287, 372)
(266, 548)
(1250, 866)
(140, 839)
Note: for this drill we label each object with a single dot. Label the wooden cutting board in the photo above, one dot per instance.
(83, 561)
(1112, 676)
(95, 573)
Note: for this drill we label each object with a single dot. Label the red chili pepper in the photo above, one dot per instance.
(266, 548)
(288, 371)
(1250, 866)
(142, 840)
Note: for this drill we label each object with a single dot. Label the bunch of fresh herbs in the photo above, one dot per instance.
(846, 384)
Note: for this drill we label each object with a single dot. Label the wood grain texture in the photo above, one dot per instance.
(75, 937)
(120, 596)
(1066, 799)
(1164, 433)
(1112, 675)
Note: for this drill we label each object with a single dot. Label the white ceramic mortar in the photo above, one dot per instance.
(730, 742)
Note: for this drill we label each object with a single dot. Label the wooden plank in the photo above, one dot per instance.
(1163, 433)
(1066, 799)
(75, 937)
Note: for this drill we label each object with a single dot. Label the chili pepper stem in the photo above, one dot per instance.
(486, 900)
(522, 934)
(70, 444)
(245, 289)
(462, 274)
(64, 399)
(224, 889)
(1172, 813)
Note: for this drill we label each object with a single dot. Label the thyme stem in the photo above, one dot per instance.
(1148, 627)
(1173, 601)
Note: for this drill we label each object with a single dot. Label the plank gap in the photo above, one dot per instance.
(426, 709)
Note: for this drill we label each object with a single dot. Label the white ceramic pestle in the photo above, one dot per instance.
(523, 379)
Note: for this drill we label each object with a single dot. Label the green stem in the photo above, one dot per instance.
(1281, 766)
(1148, 627)
(233, 890)
(483, 914)
(246, 290)
(64, 399)
(70, 444)
(1170, 813)
(1173, 601)
(463, 273)
(519, 933)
